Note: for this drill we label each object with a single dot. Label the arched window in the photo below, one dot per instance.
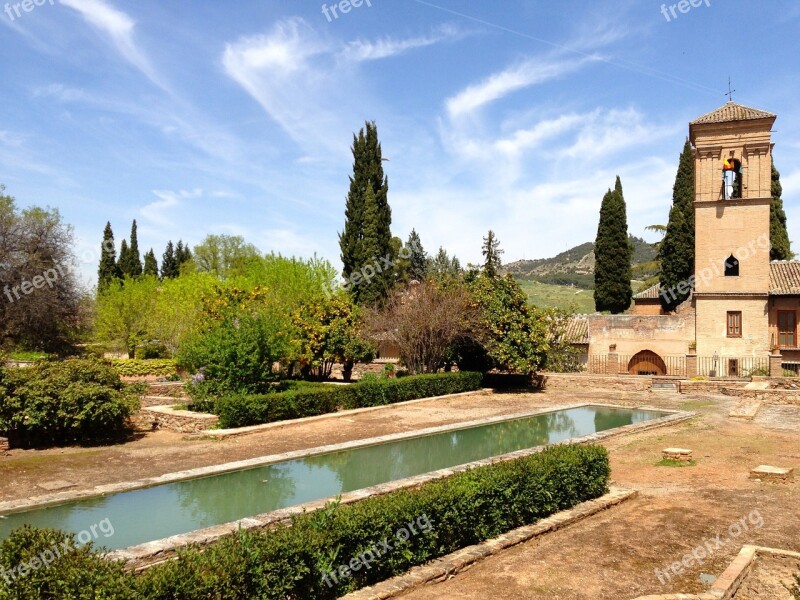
(732, 266)
(731, 179)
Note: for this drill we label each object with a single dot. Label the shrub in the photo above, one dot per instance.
(292, 561)
(309, 400)
(134, 367)
(80, 573)
(76, 400)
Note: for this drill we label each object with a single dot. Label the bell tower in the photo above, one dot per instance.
(733, 162)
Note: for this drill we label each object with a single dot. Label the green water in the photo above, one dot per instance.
(144, 515)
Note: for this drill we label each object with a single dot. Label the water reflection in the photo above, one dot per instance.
(143, 515)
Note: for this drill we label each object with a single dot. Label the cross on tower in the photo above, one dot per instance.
(730, 91)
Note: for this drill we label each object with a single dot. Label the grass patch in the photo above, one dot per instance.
(545, 295)
(668, 462)
(696, 404)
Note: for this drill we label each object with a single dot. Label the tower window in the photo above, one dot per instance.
(731, 179)
(732, 266)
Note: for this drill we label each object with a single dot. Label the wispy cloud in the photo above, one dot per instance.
(362, 50)
(523, 75)
(118, 27)
(161, 212)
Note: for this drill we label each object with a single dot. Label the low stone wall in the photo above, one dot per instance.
(607, 382)
(172, 389)
(181, 421)
(781, 397)
(709, 387)
(4, 447)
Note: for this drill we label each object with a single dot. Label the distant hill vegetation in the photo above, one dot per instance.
(575, 267)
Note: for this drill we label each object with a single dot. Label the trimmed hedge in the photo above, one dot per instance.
(291, 561)
(56, 403)
(315, 399)
(134, 367)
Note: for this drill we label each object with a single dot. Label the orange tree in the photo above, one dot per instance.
(327, 330)
(516, 337)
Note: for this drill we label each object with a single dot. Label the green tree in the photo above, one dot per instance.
(224, 255)
(613, 253)
(169, 264)
(442, 266)
(125, 311)
(676, 250)
(131, 262)
(491, 255)
(357, 251)
(780, 246)
(150, 264)
(108, 270)
(372, 286)
(418, 260)
(123, 258)
(182, 254)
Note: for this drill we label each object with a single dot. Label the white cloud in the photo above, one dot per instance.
(119, 28)
(361, 50)
(159, 212)
(526, 74)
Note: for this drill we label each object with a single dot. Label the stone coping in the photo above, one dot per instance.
(169, 411)
(154, 552)
(250, 429)
(726, 586)
(446, 567)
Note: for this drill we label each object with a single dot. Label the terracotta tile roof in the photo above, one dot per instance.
(650, 293)
(578, 330)
(784, 278)
(732, 112)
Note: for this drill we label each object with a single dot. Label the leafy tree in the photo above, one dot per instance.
(517, 338)
(418, 267)
(224, 255)
(442, 266)
(329, 332)
(40, 298)
(108, 270)
(125, 311)
(613, 252)
(179, 307)
(169, 264)
(778, 235)
(150, 264)
(562, 355)
(676, 251)
(359, 247)
(428, 322)
(131, 262)
(491, 255)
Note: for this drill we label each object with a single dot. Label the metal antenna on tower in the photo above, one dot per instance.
(730, 91)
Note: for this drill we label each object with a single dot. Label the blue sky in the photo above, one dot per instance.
(199, 117)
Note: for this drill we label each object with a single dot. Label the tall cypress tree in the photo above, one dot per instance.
(108, 270)
(676, 252)
(122, 262)
(372, 288)
(356, 251)
(169, 266)
(150, 264)
(132, 263)
(778, 235)
(613, 254)
(418, 260)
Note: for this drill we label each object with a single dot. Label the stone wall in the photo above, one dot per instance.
(3, 445)
(608, 382)
(172, 389)
(666, 335)
(181, 421)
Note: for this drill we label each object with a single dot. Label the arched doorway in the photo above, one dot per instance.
(647, 362)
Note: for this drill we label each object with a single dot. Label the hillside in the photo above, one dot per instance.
(575, 267)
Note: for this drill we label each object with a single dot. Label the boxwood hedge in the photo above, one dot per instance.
(292, 561)
(310, 399)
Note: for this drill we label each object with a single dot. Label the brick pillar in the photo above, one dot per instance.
(691, 366)
(775, 365)
(612, 368)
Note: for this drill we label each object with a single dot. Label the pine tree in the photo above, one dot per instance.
(491, 255)
(182, 254)
(613, 254)
(676, 252)
(108, 270)
(442, 266)
(150, 264)
(169, 266)
(778, 235)
(356, 251)
(131, 265)
(418, 260)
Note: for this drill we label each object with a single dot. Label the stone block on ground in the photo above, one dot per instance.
(771, 473)
(683, 454)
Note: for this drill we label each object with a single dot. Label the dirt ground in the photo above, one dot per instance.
(612, 555)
